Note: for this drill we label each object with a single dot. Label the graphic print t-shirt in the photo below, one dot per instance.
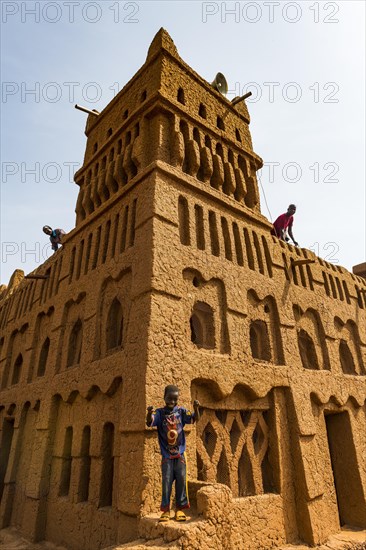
(170, 425)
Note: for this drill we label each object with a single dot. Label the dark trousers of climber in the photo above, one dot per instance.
(174, 469)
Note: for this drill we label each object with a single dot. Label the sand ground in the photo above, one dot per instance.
(345, 540)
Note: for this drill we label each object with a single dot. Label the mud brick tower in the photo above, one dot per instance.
(171, 275)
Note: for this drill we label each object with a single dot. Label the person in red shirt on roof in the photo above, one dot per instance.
(283, 225)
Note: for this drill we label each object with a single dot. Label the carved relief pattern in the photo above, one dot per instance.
(214, 163)
(232, 448)
(116, 170)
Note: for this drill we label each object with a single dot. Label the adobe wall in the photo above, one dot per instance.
(171, 275)
(293, 460)
(88, 379)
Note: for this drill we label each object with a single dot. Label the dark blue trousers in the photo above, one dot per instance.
(174, 469)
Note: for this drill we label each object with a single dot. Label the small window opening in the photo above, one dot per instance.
(180, 96)
(220, 123)
(202, 111)
(202, 326)
(259, 341)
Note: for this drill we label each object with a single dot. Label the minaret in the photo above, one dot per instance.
(188, 126)
(164, 161)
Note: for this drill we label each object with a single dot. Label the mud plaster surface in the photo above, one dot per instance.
(177, 241)
(345, 540)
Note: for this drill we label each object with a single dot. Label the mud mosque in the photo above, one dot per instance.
(171, 275)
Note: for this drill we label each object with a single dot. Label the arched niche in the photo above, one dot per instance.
(349, 347)
(41, 344)
(264, 333)
(311, 339)
(114, 328)
(204, 311)
(70, 348)
(307, 350)
(113, 313)
(17, 345)
(43, 357)
(75, 344)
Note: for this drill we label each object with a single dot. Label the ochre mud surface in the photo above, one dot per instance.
(171, 275)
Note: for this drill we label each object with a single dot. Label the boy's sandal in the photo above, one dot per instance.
(165, 516)
(180, 516)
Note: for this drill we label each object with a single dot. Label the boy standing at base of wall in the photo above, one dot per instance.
(170, 421)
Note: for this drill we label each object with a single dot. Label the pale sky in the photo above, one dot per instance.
(303, 61)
